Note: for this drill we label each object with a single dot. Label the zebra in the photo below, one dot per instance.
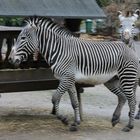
(128, 31)
(112, 85)
(74, 60)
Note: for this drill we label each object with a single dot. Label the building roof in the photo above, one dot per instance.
(52, 8)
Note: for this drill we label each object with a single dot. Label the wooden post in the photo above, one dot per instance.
(9, 46)
(1, 41)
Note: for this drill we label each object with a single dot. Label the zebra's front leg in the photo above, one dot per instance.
(75, 104)
(67, 83)
(56, 100)
(138, 114)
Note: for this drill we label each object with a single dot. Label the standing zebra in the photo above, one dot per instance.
(113, 84)
(128, 31)
(75, 60)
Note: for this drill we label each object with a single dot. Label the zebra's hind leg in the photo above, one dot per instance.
(132, 104)
(138, 114)
(117, 112)
(114, 86)
(129, 85)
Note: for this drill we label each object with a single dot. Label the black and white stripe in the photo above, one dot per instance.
(74, 60)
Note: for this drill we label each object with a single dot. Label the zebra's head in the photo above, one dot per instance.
(26, 44)
(128, 29)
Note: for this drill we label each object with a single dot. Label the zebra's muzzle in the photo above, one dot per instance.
(16, 62)
(126, 41)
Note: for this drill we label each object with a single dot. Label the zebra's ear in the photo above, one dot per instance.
(119, 13)
(136, 15)
(27, 20)
(120, 16)
(30, 21)
(137, 12)
(33, 25)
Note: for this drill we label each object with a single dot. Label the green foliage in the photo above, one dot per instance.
(11, 21)
(103, 3)
(2, 21)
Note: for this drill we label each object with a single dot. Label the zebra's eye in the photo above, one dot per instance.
(133, 25)
(23, 38)
(120, 26)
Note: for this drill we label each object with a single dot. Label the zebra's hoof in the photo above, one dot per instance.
(127, 128)
(77, 121)
(115, 120)
(73, 127)
(64, 119)
(137, 116)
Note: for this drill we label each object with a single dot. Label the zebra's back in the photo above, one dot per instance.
(99, 57)
(98, 62)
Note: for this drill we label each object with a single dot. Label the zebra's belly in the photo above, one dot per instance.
(94, 79)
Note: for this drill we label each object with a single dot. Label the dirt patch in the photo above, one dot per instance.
(21, 123)
(26, 116)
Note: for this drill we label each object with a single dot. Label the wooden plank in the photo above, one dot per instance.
(8, 75)
(18, 86)
(16, 80)
(27, 80)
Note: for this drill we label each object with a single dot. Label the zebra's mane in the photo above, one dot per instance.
(37, 21)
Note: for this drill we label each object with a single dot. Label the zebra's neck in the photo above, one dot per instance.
(49, 46)
(131, 44)
(45, 47)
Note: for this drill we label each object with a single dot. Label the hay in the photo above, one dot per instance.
(28, 123)
(49, 123)
(95, 38)
(25, 119)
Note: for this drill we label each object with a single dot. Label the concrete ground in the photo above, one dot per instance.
(26, 116)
